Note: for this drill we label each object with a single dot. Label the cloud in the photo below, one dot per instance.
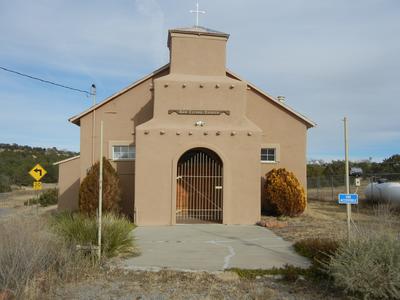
(329, 58)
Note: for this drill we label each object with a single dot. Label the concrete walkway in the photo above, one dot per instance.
(210, 247)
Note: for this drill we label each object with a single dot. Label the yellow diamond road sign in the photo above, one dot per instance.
(37, 172)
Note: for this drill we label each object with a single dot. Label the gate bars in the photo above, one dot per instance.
(199, 187)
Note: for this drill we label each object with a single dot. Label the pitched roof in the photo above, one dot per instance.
(308, 121)
(76, 119)
(66, 160)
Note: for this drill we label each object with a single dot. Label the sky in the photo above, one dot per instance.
(330, 59)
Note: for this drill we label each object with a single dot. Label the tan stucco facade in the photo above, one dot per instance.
(160, 116)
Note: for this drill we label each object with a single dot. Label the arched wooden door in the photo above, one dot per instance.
(199, 194)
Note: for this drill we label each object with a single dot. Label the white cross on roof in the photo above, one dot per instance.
(197, 12)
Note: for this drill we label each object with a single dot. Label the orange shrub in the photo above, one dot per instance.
(284, 193)
(89, 190)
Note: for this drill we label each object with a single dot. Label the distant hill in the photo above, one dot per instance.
(16, 161)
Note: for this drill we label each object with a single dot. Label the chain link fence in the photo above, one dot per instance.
(327, 188)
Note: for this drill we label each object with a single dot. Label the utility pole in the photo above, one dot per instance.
(346, 154)
(93, 93)
(100, 191)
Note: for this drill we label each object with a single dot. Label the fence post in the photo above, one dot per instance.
(332, 188)
(318, 186)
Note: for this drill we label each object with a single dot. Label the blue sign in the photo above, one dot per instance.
(348, 199)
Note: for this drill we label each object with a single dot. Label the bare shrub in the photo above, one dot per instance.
(369, 265)
(89, 190)
(284, 193)
(31, 258)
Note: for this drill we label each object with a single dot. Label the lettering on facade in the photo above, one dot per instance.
(199, 112)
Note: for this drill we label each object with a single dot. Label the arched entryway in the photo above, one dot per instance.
(199, 194)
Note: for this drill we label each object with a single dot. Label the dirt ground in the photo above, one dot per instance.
(321, 219)
(184, 285)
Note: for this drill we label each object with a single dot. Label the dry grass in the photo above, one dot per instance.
(177, 285)
(17, 197)
(327, 219)
(32, 260)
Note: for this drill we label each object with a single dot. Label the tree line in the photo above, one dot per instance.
(320, 168)
(17, 160)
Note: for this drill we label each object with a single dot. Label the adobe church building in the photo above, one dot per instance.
(191, 141)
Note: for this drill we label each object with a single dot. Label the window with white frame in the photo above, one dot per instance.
(268, 155)
(121, 152)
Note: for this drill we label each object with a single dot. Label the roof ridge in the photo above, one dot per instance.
(199, 30)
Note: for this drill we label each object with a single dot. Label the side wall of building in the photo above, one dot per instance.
(282, 131)
(120, 118)
(68, 185)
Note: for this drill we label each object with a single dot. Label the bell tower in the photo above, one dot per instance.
(197, 51)
(197, 106)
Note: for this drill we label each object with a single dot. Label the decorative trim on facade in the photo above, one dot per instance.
(198, 112)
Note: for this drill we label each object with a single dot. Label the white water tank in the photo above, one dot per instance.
(383, 192)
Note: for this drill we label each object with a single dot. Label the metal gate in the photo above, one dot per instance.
(199, 187)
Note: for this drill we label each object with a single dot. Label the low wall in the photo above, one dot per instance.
(68, 184)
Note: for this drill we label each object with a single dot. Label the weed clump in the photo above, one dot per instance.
(78, 229)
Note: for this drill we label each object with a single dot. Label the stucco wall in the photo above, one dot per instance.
(156, 185)
(188, 55)
(282, 129)
(120, 118)
(68, 185)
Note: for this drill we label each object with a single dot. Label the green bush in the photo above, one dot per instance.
(89, 190)
(78, 229)
(284, 193)
(48, 197)
(368, 266)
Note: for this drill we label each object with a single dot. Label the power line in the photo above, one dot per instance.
(46, 81)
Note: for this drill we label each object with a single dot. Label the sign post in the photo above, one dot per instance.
(100, 192)
(346, 154)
